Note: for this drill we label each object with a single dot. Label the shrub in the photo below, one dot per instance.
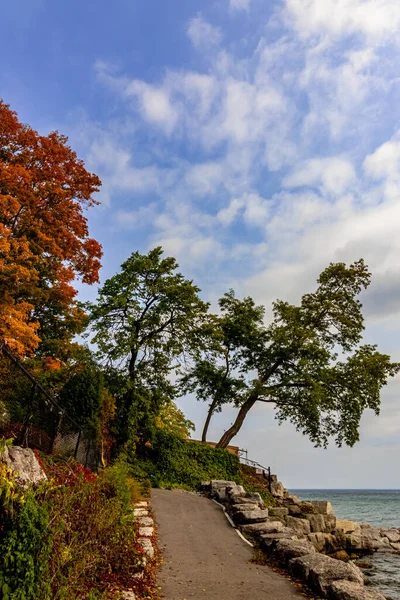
(70, 539)
(173, 462)
(25, 545)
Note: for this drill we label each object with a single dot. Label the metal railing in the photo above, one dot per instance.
(265, 471)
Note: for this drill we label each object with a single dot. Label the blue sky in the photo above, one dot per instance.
(254, 141)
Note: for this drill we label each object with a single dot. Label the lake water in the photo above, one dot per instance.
(377, 507)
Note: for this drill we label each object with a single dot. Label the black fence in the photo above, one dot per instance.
(258, 469)
(34, 419)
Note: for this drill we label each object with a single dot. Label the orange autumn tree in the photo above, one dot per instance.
(44, 238)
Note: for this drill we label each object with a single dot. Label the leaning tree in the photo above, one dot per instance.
(308, 362)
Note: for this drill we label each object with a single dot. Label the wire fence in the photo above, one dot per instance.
(34, 419)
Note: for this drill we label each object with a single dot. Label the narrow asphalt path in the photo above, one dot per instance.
(204, 558)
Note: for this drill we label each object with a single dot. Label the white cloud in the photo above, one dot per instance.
(239, 4)
(373, 18)
(385, 161)
(338, 91)
(202, 34)
(228, 214)
(333, 175)
(256, 210)
(134, 219)
(204, 178)
(155, 104)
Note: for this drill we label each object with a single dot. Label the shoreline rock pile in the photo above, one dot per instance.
(306, 539)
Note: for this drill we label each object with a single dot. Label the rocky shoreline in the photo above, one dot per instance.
(307, 539)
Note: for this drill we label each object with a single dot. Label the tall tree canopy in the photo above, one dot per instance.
(44, 237)
(293, 364)
(144, 321)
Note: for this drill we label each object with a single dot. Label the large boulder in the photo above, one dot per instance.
(285, 550)
(317, 539)
(255, 497)
(291, 499)
(367, 539)
(393, 535)
(294, 510)
(347, 590)
(258, 529)
(268, 541)
(235, 508)
(395, 546)
(334, 543)
(250, 516)
(317, 523)
(300, 526)
(326, 542)
(279, 512)
(307, 507)
(235, 491)
(278, 490)
(320, 571)
(219, 488)
(330, 523)
(346, 526)
(322, 507)
(242, 500)
(24, 465)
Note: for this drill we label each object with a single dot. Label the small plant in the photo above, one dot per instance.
(25, 547)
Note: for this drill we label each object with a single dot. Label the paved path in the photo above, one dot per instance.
(204, 558)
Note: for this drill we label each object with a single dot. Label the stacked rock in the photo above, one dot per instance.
(294, 534)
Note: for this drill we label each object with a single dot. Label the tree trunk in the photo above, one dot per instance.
(208, 419)
(232, 431)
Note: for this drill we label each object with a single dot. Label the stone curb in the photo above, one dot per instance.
(146, 530)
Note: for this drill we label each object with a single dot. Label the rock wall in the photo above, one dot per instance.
(328, 534)
(305, 538)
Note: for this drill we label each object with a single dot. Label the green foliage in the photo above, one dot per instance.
(71, 537)
(82, 397)
(25, 548)
(145, 318)
(174, 462)
(294, 362)
(172, 420)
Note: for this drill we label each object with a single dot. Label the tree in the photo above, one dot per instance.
(44, 238)
(216, 373)
(172, 420)
(82, 397)
(144, 321)
(293, 364)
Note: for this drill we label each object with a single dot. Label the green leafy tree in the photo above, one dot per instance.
(217, 373)
(294, 364)
(172, 420)
(146, 318)
(82, 397)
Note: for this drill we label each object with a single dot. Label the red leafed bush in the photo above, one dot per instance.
(67, 473)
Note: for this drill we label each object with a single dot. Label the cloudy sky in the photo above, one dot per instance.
(255, 141)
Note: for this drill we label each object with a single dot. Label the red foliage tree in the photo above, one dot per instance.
(44, 237)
